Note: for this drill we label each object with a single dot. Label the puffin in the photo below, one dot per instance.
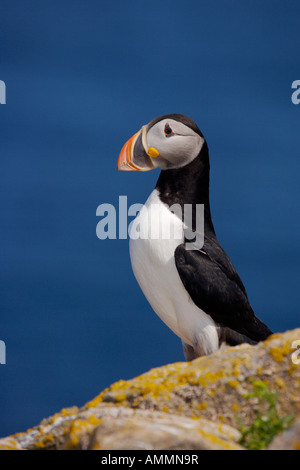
(191, 285)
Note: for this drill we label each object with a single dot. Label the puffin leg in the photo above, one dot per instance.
(189, 352)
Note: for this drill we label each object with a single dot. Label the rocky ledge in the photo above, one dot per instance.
(247, 397)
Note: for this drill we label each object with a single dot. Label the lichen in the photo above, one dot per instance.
(233, 383)
(280, 382)
(215, 387)
(79, 428)
(235, 407)
(9, 443)
(45, 441)
(296, 445)
(201, 406)
(279, 353)
(222, 443)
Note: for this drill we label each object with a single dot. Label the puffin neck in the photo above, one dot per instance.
(188, 185)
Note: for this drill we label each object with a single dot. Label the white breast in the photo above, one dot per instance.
(152, 258)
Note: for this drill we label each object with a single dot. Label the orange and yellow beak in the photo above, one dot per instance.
(136, 155)
(125, 160)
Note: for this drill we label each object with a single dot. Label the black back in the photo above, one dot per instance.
(207, 274)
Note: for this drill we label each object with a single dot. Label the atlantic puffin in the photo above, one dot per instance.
(196, 292)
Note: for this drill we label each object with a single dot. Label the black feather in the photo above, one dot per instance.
(208, 275)
(216, 288)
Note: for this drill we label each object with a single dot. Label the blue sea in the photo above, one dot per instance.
(81, 78)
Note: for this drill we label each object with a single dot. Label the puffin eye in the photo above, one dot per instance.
(168, 130)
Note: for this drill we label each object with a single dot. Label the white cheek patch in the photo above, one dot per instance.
(177, 149)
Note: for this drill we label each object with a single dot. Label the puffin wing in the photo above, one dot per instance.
(215, 287)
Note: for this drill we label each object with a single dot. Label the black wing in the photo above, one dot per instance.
(214, 285)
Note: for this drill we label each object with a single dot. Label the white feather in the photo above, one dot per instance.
(153, 264)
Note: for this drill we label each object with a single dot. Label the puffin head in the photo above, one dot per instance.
(167, 142)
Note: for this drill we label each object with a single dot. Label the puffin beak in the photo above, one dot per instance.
(125, 158)
(134, 155)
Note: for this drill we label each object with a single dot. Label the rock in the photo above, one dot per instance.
(126, 429)
(287, 440)
(189, 405)
(216, 387)
(120, 428)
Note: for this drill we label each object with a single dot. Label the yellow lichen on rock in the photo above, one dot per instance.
(181, 396)
(233, 383)
(9, 443)
(206, 380)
